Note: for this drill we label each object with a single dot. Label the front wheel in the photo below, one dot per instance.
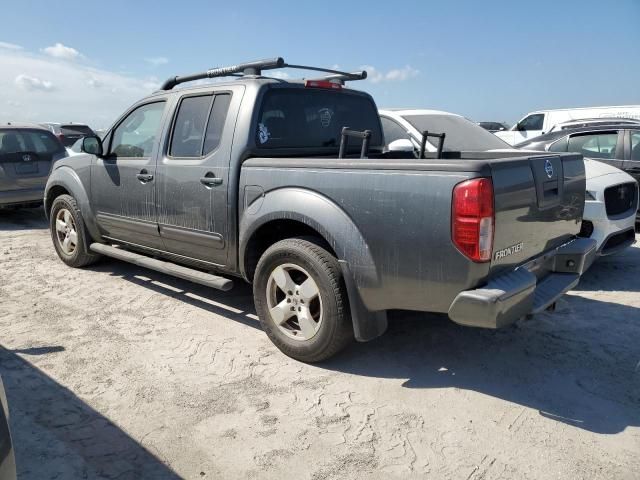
(300, 298)
(68, 233)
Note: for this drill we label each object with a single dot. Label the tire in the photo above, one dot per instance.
(65, 223)
(319, 324)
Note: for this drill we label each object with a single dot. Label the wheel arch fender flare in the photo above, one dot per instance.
(337, 229)
(68, 179)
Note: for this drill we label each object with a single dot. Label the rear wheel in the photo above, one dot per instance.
(301, 301)
(68, 233)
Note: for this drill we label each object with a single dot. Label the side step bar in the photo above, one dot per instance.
(168, 268)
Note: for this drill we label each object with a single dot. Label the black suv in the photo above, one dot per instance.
(69, 133)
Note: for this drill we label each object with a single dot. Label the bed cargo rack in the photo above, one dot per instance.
(364, 135)
(423, 142)
(255, 69)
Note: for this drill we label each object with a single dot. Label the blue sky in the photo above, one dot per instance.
(86, 61)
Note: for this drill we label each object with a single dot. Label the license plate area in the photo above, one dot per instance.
(26, 168)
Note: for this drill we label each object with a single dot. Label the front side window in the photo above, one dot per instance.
(136, 134)
(532, 122)
(393, 131)
(600, 145)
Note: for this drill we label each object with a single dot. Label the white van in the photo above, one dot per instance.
(540, 122)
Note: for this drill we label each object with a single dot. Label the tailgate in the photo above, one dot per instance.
(539, 201)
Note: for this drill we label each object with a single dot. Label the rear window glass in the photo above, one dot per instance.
(461, 134)
(82, 129)
(314, 118)
(19, 140)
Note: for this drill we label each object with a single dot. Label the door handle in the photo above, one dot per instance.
(210, 180)
(144, 176)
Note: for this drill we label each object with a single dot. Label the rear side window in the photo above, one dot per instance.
(601, 145)
(313, 118)
(198, 125)
(559, 146)
(635, 146)
(216, 122)
(38, 141)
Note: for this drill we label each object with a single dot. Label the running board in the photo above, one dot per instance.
(186, 273)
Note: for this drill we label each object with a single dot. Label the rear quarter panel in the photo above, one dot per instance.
(401, 219)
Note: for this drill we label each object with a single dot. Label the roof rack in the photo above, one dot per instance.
(256, 68)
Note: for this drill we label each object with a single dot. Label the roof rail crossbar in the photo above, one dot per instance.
(255, 68)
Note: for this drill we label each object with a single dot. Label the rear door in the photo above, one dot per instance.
(26, 157)
(123, 181)
(193, 176)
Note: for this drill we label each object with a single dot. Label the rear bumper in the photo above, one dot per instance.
(528, 289)
(18, 197)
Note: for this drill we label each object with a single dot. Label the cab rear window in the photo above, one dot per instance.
(314, 118)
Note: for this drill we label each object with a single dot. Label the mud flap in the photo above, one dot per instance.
(367, 325)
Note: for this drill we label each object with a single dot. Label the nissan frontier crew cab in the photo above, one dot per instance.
(288, 185)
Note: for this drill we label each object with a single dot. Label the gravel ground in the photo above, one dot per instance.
(117, 372)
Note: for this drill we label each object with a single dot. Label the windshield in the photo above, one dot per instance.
(313, 118)
(461, 134)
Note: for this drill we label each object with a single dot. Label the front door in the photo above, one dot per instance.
(193, 176)
(123, 181)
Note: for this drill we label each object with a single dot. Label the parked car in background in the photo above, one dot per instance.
(607, 219)
(540, 122)
(7, 457)
(68, 133)
(594, 122)
(27, 153)
(618, 146)
(403, 130)
(494, 126)
(259, 178)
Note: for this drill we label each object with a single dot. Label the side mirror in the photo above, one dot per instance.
(401, 145)
(92, 145)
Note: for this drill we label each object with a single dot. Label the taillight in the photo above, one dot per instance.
(322, 84)
(472, 218)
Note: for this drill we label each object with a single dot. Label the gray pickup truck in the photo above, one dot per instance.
(258, 178)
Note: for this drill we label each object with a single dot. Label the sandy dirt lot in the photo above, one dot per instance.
(117, 372)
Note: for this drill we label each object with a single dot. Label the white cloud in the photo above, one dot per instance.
(38, 88)
(10, 46)
(394, 75)
(62, 51)
(157, 61)
(30, 83)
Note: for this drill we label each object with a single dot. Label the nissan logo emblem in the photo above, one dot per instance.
(26, 157)
(548, 168)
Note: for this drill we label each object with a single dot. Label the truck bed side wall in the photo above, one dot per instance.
(391, 226)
